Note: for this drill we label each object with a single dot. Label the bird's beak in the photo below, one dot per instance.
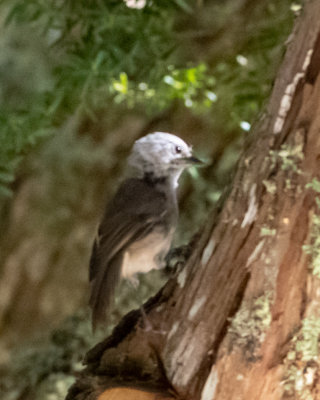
(193, 161)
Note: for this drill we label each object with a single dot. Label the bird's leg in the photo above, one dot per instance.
(176, 258)
(134, 281)
(147, 324)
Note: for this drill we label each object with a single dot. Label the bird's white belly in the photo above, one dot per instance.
(145, 255)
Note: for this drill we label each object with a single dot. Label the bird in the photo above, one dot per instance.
(138, 224)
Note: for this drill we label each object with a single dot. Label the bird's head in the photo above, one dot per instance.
(162, 155)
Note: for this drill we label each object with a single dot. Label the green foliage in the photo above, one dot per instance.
(90, 45)
(99, 41)
(243, 80)
(190, 85)
(104, 53)
(314, 247)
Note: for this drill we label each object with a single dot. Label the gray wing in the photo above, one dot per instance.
(133, 213)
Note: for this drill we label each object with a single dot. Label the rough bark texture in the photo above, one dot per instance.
(234, 321)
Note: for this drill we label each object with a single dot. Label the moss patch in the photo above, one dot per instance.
(302, 361)
(248, 327)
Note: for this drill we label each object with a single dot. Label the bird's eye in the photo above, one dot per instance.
(178, 149)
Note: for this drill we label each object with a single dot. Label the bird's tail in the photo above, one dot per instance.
(103, 288)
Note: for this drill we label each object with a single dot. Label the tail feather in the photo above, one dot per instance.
(103, 290)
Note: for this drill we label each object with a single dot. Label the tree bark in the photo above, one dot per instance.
(241, 319)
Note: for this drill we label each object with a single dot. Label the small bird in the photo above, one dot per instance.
(137, 228)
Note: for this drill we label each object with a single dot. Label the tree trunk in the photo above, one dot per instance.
(241, 319)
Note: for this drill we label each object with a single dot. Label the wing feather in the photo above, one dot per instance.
(124, 223)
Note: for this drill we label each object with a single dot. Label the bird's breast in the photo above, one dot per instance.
(146, 254)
